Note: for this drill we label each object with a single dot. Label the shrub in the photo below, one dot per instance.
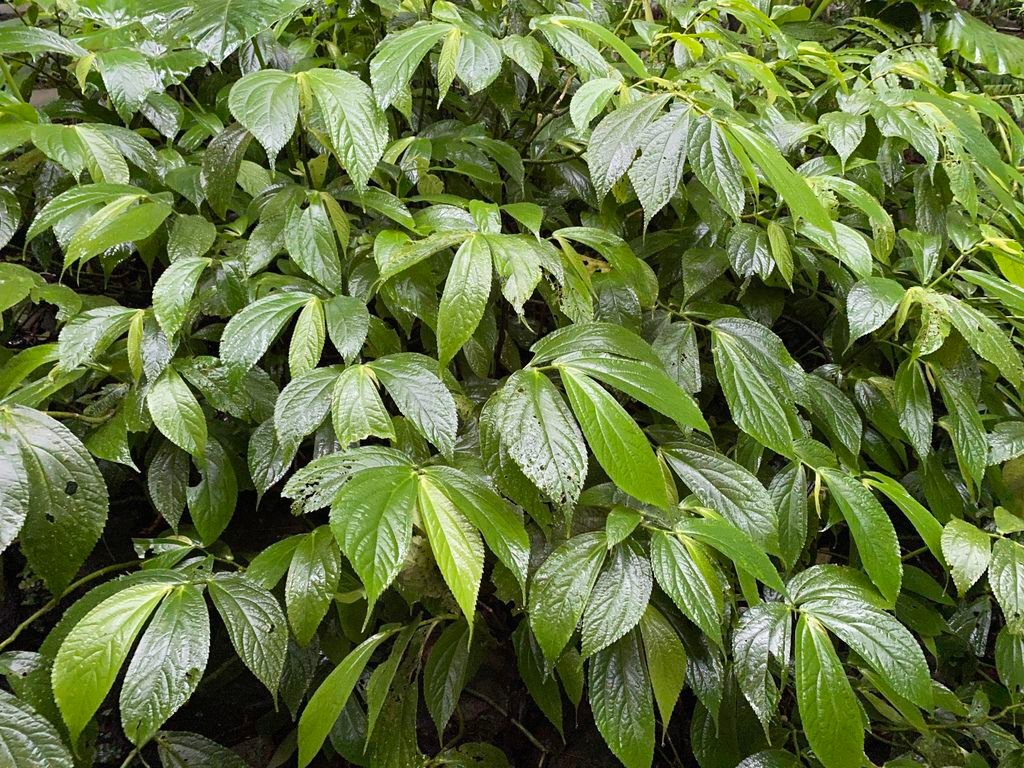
(432, 373)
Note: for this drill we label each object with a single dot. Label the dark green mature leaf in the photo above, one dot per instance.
(464, 298)
(177, 413)
(620, 696)
(221, 162)
(445, 673)
(560, 590)
(715, 165)
(684, 571)
(27, 738)
(181, 749)
(256, 625)
(249, 334)
(1006, 575)
(618, 599)
(266, 103)
(540, 435)
(312, 581)
(421, 396)
(67, 497)
(616, 140)
(728, 488)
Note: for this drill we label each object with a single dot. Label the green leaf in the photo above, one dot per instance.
(221, 161)
(91, 655)
(872, 531)
(977, 42)
(870, 303)
(498, 521)
(308, 339)
(168, 663)
(212, 502)
(167, 481)
(728, 488)
(22, 38)
(421, 396)
(219, 27)
(458, 550)
(327, 703)
(620, 697)
(764, 631)
(914, 406)
(541, 437)
(348, 322)
(715, 165)
(791, 186)
(177, 413)
(256, 625)
(618, 443)
(560, 590)
(398, 56)
(684, 571)
(987, 339)
(180, 749)
(1006, 576)
(172, 293)
(312, 581)
(618, 599)
(666, 661)
(885, 644)
(735, 545)
(644, 381)
(266, 103)
(479, 60)
(927, 527)
(67, 497)
(616, 139)
(15, 490)
(464, 298)
(26, 737)
(844, 132)
(357, 410)
(788, 491)
(445, 673)
(535, 674)
(829, 711)
(753, 401)
(372, 520)
(590, 100)
(303, 404)
(309, 238)
(249, 334)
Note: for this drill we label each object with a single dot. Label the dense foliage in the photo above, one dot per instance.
(398, 384)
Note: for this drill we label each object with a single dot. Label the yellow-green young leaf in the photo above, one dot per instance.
(620, 697)
(327, 703)
(829, 712)
(91, 655)
(872, 531)
(456, 544)
(446, 62)
(177, 413)
(312, 581)
(782, 255)
(372, 520)
(168, 663)
(844, 132)
(620, 446)
(561, 588)
(348, 323)
(684, 571)
(735, 545)
(267, 104)
(924, 522)
(256, 625)
(464, 298)
(421, 396)
(666, 661)
(308, 338)
(121, 221)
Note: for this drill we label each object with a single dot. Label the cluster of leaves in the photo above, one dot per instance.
(671, 352)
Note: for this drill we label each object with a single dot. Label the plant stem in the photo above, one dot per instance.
(505, 713)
